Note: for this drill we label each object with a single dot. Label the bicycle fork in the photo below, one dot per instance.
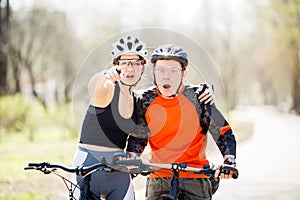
(173, 195)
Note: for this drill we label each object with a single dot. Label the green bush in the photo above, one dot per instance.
(28, 116)
(13, 112)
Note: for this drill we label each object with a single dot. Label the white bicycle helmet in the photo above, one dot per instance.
(170, 51)
(128, 45)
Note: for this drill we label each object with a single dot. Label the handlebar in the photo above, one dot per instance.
(119, 165)
(48, 168)
(179, 166)
(207, 169)
(137, 166)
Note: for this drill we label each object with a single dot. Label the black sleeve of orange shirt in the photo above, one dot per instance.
(213, 121)
(221, 131)
(136, 144)
(138, 141)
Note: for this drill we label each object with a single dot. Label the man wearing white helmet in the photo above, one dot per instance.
(177, 125)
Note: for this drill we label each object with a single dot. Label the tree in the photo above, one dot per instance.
(4, 26)
(284, 21)
(42, 54)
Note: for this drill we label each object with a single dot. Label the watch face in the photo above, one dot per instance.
(230, 161)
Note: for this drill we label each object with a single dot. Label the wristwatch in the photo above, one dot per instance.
(230, 161)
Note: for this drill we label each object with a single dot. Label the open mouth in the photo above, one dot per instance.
(130, 76)
(166, 86)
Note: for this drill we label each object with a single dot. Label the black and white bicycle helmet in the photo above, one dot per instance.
(170, 51)
(128, 45)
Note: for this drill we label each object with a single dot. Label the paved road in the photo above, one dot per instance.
(268, 162)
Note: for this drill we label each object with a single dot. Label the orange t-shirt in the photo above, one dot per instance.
(175, 135)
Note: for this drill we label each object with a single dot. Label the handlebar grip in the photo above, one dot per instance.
(27, 168)
(227, 168)
(43, 164)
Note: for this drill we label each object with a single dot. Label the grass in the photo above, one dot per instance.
(30, 196)
(17, 151)
(33, 134)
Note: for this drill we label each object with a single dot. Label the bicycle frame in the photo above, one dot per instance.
(174, 187)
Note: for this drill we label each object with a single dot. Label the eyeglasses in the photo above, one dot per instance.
(169, 70)
(133, 62)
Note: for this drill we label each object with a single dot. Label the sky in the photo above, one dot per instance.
(171, 14)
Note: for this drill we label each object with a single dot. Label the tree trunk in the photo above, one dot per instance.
(297, 86)
(3, 73)
(4, 22)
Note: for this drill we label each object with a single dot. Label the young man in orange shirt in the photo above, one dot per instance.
(176, 125)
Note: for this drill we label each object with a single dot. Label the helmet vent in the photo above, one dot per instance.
(129, 44)
(120, 48)
(139, 47)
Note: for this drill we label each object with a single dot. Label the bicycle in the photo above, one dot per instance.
(174, 193)
(132, 166)
(84, 171)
